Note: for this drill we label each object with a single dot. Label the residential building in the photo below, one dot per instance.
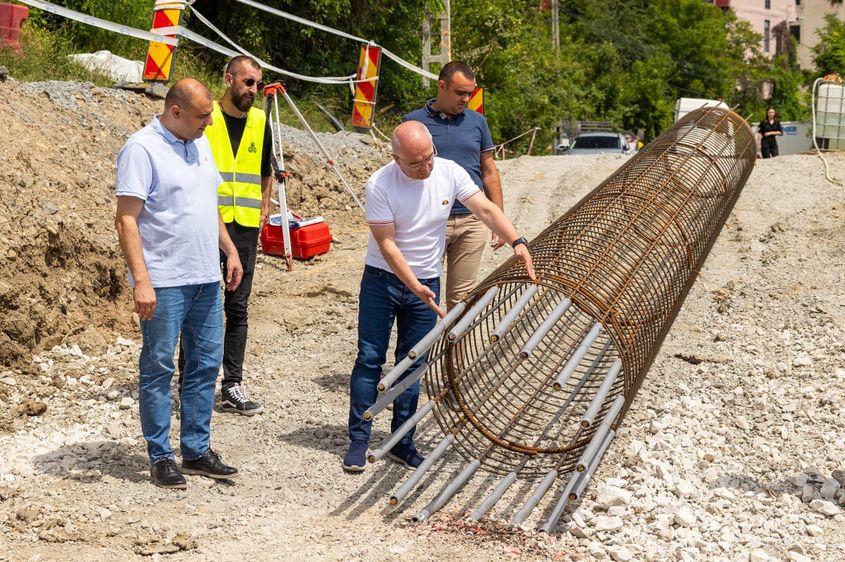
(811, 19)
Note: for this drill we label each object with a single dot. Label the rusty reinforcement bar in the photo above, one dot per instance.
(527, 378)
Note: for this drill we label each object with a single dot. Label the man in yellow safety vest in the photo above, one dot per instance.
(241, 144)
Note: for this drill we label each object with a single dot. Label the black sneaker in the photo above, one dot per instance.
(408, 457)
(356, 457)
(233, 399)
(209, 465)
(166, 474)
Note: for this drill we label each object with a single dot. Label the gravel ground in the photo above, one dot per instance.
(730, 450)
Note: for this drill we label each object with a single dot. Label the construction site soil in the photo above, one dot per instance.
(729, 452)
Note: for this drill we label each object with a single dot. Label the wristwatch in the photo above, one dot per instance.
(518, 241)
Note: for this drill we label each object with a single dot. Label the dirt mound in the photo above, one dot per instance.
(62, 277)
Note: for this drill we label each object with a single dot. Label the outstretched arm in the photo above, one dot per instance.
(495, 219)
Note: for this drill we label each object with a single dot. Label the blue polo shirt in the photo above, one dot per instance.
(177, 181)
(461, 139)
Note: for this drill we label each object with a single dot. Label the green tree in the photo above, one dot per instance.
(829, 53)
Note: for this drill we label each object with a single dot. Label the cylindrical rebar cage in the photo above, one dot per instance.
(613, 273)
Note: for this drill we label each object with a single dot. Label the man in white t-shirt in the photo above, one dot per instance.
(408, 202)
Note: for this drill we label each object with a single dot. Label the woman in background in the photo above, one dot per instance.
(769, 129)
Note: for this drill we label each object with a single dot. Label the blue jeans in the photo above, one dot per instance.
(196, 311)
(383, 299)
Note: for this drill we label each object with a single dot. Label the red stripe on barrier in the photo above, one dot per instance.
(160, 19)
(368, 89)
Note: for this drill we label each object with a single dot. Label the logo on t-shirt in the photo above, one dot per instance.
(252, 148)
(445, 202)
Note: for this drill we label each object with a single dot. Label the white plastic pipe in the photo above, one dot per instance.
(594, 407)
(476, 309)
(394, 373)
(450, 490)
(400, 432)
(545, 328)
(390, 395)
(579, 353)
(601, 430)
(535, 498)
(420, 471)
(594, 463)
(510, 317)
(428, 340)
(554, 516)
(494, 496)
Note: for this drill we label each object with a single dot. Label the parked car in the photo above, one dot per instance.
(598, 143)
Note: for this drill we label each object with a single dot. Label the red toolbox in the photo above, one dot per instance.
(308, 237)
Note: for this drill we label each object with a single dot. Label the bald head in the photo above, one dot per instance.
(184, 93)
(187, 109)
(413, 149)
(410, 136)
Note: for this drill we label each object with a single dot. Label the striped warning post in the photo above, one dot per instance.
(167, 16)
(476, 102)
(365, 91)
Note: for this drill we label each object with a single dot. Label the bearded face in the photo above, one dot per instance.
(242, 86)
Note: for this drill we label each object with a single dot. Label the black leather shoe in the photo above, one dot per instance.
(209, 465)
(166, 474)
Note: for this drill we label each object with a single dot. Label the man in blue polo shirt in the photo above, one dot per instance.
(170, 231)
(463, 137)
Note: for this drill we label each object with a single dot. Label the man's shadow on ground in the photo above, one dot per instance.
(90, 461)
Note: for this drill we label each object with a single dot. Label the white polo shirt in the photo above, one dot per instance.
(418, 210)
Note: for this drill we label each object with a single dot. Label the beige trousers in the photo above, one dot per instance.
(466, 237)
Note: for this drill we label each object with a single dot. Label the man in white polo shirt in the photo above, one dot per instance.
(408, 202)
(170, 230)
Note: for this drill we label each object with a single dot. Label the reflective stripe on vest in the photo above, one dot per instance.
(239, 196)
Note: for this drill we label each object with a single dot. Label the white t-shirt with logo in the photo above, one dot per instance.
(418, 210)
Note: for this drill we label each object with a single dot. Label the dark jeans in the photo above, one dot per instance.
(235, 306)
(383, 299)
(769, 148)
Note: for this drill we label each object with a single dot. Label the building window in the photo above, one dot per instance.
(767, 25)
(795, 30)
(768, 4)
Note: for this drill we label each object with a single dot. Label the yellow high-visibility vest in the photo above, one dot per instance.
(239, 196)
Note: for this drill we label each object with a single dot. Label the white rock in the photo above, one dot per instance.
(609, 496)
(814, 530)
(824, 507)
(759, 555)
(802, 361)
(621, 554)
(580, 532)
(684, 489)
(112, 395)
(124, 342)
(104, 513)
(126, 403)
(9, 381)
(798, 557)
(684, 516)
(114, 429)
(605, 523)
(596, 550)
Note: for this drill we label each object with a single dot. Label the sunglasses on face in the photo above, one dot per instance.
(250, 82)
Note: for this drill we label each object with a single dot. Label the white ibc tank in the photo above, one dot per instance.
(830, 115)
